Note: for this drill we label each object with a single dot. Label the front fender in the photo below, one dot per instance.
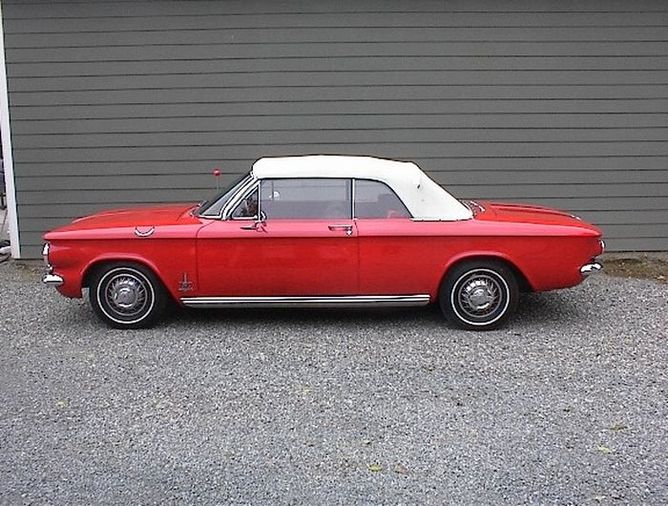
(171, 260)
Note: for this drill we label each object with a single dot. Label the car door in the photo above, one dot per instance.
(289, 237)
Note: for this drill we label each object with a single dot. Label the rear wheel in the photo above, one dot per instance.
(479, 295)
(127, 295)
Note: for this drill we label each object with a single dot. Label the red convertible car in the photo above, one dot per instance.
(321, 231)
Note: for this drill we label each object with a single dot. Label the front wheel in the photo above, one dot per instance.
(479, 295)
(127, 296)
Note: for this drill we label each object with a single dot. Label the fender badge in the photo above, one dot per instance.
(144, 232)
(185, 285)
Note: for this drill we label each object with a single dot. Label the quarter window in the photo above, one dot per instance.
(374, 199)
(306, 198)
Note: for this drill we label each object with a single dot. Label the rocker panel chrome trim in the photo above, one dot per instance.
(325, 301)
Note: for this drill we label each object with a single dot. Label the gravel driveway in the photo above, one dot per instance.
(568, 404)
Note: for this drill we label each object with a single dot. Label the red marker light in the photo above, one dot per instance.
(216, 172)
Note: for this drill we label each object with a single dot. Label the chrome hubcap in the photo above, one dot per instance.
(480, 295)
(126, 294)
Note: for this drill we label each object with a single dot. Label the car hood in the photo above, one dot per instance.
(135, 217)
(526, 213)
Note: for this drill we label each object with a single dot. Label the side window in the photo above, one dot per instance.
(306, 198)
(247, 208)
(374, 199)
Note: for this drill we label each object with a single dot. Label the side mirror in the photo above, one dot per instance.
(258, 224)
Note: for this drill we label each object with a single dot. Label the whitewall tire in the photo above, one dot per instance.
(127, 295)
(479, 295)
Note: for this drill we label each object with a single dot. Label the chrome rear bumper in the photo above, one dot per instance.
(591, 268)
(52, 280)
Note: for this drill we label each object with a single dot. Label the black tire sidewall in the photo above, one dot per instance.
(458, 274)
(101, 308)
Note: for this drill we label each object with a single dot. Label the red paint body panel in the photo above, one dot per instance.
(283, 257)
(110, 236)
(173, 214)
(305, 257)
(425, 251)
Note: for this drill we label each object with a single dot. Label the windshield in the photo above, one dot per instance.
(212, 207)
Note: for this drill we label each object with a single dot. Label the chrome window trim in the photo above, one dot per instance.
(244, 191)
(352, 199)
(253, 182)
(240, 201)
(249, 178)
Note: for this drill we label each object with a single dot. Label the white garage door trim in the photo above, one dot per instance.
(7, 158)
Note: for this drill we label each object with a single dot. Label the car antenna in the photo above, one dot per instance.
(216, 173)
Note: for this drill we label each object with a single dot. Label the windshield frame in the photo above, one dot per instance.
(224, 195)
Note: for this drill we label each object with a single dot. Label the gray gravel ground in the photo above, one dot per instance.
(568, 404)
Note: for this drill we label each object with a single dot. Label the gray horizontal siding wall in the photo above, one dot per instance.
(558, 103)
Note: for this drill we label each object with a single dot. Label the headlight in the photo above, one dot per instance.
(602, 243)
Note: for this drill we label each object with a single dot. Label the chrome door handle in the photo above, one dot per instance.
(348, 229)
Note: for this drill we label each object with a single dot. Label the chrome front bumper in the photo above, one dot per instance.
(49, 278)
(52, 280)
(592, 268)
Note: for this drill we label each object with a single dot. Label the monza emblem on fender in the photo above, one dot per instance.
(185, 285)
(144, 231)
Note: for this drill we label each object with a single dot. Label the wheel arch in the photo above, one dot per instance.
(522, 280)
(100, 262)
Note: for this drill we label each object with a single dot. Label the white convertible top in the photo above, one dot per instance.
(424, 198)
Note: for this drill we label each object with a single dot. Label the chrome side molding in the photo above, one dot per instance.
(589, 269)
(323, 302)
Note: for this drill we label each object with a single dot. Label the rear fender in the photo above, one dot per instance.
(468, 256)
